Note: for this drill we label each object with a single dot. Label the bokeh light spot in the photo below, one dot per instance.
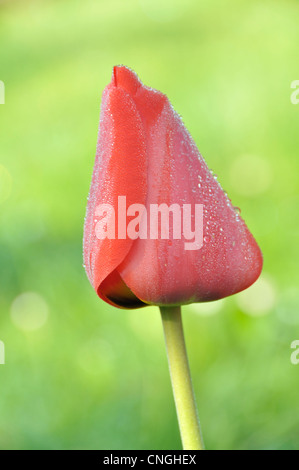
(29, 311)
(259, 299)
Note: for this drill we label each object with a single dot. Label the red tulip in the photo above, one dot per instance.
(146, 155)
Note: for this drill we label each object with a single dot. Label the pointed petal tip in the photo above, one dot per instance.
(126, 78)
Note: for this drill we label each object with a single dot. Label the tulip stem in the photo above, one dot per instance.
(181, 379)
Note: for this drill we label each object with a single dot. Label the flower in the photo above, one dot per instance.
(148, 164)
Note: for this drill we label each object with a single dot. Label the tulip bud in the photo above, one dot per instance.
(159, 229)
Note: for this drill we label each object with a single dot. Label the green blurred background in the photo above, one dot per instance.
(82, 374)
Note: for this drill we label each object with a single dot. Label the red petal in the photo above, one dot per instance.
(120, 170)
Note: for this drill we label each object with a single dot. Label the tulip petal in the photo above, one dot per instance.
(120, 170)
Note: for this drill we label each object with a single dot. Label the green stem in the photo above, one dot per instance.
(181, 379)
